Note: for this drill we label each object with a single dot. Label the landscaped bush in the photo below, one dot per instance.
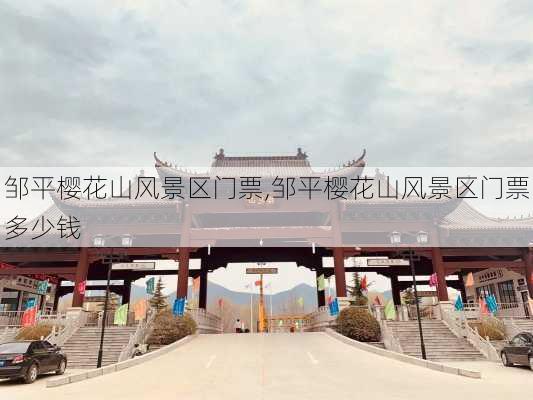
(34, 332)
(168, 328)
(490, 327)
(358, 324)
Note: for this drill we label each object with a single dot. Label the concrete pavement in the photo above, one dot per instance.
(280, 366)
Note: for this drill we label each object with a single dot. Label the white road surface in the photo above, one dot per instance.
(281, 366)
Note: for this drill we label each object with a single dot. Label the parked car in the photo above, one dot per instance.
(519, 351)
(29, 359)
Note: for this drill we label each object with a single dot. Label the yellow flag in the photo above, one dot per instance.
(469, 280)
(390, 310)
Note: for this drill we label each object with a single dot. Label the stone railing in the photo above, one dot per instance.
(205, 321)
(320, 320)
(8, 334)
(389, 341)
(74, 319)
(458, 324)
(511, 329)
(143, 330)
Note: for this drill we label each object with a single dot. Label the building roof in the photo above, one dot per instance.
(465, 217)
(264, 166)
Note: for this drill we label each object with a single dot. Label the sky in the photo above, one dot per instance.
(109, 82)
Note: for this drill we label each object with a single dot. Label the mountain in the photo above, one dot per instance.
(281, 302)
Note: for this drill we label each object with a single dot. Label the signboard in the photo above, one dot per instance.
(427, 293)
(136, 266)
(261, 270)
(386, 262)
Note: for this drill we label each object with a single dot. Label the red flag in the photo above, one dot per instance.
(364, 284)
(220, 303)
(81, 287)
(257, 283)
(483, 309)
(29, 316)
(377, 301)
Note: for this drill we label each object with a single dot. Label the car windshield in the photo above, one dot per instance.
(16, 347)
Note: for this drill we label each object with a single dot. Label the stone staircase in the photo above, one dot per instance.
(524, 325)
(441, 344)
(82, 348)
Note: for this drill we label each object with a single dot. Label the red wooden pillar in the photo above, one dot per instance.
(183, 272)
(438, 268)
(528, 261)
(82, 270)
(340, 272)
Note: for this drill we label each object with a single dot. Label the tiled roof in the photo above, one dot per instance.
(465, 217)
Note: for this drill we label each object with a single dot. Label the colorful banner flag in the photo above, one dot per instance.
(121, 315)
(364, 284)
(258, 283)
(390, 310)
(377, 301)
(459, 306)
(140, 308)
(491, 303)
(150, 286)
(81, 287)
(220, 302)
(334, 307)
(433, 280)
(30, 303)
(42, 287)
(179, 307)
(483, 310)
(469, 280)
(321, 283)
(29, 317)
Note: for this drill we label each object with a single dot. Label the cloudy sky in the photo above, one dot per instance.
(417, 83)
(414, 82)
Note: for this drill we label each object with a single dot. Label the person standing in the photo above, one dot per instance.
(238, 326)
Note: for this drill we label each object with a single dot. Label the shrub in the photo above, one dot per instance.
(490, 327)
(358, 324)
(34, 332)
(168, 328)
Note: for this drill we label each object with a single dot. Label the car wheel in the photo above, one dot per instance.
(31, 374)
(61, 368)
(505, 361)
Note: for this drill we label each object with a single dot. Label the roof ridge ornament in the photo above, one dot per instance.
(220, 155)
(300, 153)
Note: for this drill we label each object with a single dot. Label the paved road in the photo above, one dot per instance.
(280, 366)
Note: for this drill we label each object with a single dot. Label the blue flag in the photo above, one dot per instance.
(178, 308)
(150, 283)
(334, 307)
(491, 303)
(459, 304)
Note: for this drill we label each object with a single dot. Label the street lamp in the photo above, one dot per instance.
(99, 241)
(421, 238)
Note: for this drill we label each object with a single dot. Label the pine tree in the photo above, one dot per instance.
(356, 291)
(408, 296)
(159, 300)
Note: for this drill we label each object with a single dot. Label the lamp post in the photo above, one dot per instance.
(99, 241)
(421, 239)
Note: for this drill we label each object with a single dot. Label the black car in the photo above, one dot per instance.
(28, 359)
(519, 351)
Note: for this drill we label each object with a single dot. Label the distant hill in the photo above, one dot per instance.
(280, 301)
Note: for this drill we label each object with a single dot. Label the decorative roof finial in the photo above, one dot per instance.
(220, 154)
(301, 154)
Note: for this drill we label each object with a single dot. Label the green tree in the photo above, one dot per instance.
(408, 297)
(356, 291)
(159, 300)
